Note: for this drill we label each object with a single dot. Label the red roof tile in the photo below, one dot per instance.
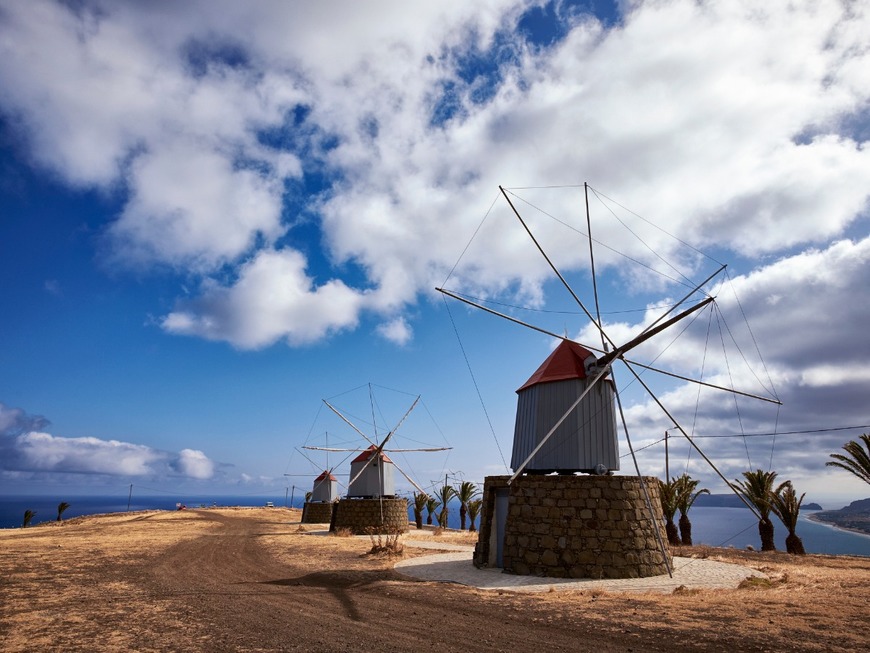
(566, 362)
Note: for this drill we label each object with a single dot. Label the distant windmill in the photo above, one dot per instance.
(372, 478)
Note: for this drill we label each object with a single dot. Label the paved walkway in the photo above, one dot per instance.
(456, 567)
(690, 573)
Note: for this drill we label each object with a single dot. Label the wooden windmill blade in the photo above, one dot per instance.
(379, 448)
(651, 368)
(349, 423)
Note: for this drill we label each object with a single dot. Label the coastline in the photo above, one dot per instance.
(857, 531)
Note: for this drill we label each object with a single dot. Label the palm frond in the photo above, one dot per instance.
(856, 461)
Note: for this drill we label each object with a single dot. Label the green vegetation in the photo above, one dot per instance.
(474, 507)
(61, 507)
(431, 506)
(466, 492)
(28, 517)
(856, 460)
(757, 488)
(420, 501)
(685, 497)
(446, 493)
(786, 505)
(668, 493)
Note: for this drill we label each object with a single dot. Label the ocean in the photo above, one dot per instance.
(12, 507)
(735, 527)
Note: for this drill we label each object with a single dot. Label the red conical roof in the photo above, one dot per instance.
(324, 476)
(365, 455)
(566, 362)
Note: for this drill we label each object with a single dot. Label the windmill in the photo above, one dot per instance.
(566, 423)
(371, 500)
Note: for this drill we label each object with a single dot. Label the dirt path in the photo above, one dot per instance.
(248, 580)
(249, 600)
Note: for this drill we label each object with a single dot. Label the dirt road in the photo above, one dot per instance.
(248, 580)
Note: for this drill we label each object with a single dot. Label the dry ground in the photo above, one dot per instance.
(250, 580)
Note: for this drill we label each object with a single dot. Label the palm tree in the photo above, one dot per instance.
(465, 493)
(757, 488)
(787, 506)
(668, 492)
(420, 501)
(431, 506)
(63, 505)
(446, 493)
(857, 461)
(686, 496)
(28, 517)
(474, 507)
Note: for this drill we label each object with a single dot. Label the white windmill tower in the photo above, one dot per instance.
(579, 526)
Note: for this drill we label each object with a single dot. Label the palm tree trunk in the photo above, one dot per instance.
(794, 544)
(462, 511)
(765, 531)
(418, 518)
(685, 530)
(673, 535)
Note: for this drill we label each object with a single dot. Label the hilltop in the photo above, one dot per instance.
(255, 579)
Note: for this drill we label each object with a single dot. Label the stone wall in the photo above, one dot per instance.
(575, 527)
(317, 512)
(363, 515)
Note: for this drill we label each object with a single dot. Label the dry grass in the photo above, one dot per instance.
(386, 543)
(70, 586)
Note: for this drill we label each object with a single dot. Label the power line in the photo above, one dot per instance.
(759, 435)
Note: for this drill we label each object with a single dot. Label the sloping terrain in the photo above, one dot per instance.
(250, 580)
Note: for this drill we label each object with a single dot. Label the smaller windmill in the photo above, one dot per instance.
(325, 488)
(371, 501)
(320, 501)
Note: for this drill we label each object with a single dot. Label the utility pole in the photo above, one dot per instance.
(667, 466)
(130, 497)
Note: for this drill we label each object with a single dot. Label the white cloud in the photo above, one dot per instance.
(272, 299)
(397, 331)
(24, 449)
(696, 112)
(194, 464)
(813, 341)
(45, 452)
(734, 127)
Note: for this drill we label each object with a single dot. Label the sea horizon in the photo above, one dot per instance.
(712, 526)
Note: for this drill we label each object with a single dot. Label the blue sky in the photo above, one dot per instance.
(213, 216)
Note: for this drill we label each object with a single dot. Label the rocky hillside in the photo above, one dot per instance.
(855, 516)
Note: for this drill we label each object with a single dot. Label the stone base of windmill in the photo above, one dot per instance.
(366, 516)
(572, 527)
(317, 512)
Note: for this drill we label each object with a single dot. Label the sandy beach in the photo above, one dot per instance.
(254, 580)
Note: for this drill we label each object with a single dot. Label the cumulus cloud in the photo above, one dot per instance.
(808, 326)
(273, 298)
(194, 464)
(397, 331)
(307, 170)
(25, 449)
(205, 116)
(15, 421)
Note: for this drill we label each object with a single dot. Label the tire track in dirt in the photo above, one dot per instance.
(242, 598)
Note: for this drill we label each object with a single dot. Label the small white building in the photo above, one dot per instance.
(325, 488)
